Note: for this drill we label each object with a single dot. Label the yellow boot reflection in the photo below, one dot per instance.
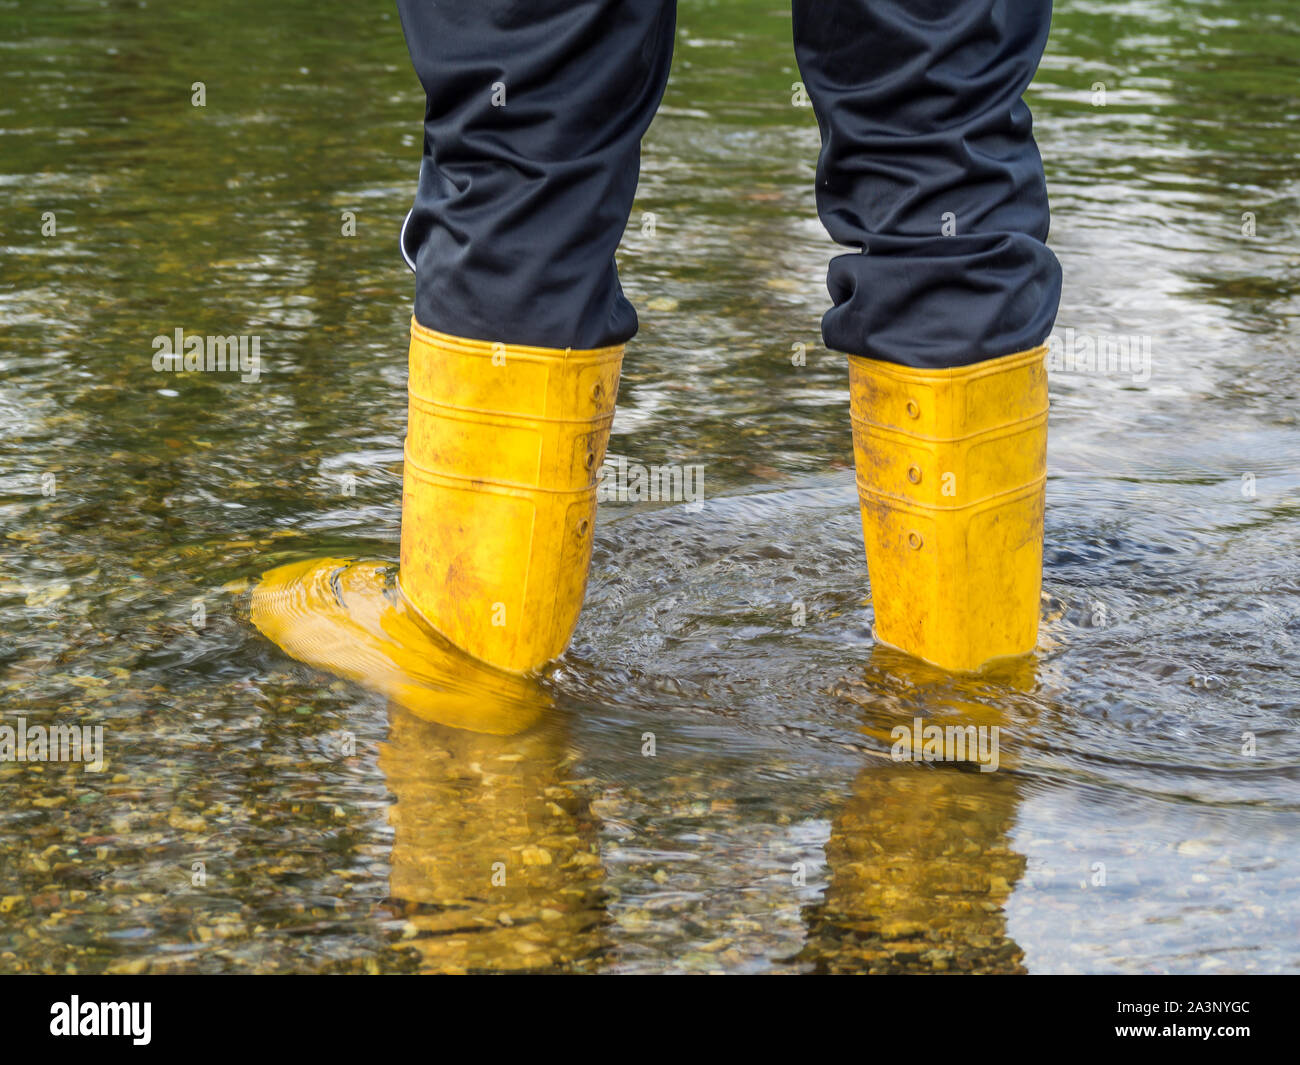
(494, 865)
(921, 865)
(495, 862)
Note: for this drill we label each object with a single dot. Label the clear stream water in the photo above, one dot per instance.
(258, 814)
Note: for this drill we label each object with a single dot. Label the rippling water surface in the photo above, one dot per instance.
(257, 814)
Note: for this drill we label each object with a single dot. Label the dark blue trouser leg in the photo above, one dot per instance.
(532, 136)
(924, 133)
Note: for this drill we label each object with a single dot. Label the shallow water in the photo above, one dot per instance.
(769, 831)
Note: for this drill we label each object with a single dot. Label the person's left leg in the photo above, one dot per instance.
(532, 136)
(532, 141)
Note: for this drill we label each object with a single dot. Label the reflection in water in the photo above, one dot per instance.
(921, 864)
(494, 862)
(920, 869)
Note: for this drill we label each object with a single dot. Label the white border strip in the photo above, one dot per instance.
(401, 240)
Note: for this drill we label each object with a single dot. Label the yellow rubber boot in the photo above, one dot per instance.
(349, 618)
(951, 469)
(503, 447)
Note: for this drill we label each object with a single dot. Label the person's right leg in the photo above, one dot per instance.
(929, 169)
(534, 118)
